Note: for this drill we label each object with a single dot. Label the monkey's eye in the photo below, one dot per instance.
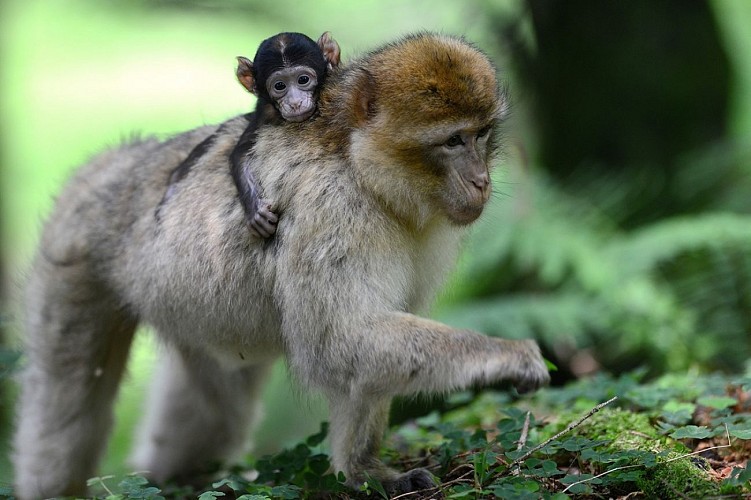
(303, 80)
(279, 86)
(483, 132)
(454, 141)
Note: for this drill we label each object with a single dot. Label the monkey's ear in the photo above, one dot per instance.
(363, 97)
(330, 49)
(245, 74)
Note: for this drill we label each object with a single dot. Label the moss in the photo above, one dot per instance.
(672, 477)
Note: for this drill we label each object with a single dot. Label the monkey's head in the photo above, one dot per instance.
(427, 107)
(288, 70)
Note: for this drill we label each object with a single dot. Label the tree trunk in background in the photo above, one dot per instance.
(622, 90)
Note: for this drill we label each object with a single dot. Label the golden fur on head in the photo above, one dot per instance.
(394, 110)
(423, 78)
(436, 76)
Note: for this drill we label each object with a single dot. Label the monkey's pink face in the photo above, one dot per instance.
(294, 92)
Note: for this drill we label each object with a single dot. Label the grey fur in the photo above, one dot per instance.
(360, 247)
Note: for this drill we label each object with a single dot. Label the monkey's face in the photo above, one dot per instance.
(460, 163)
(448, 165)
(293, 91)
(434, 104)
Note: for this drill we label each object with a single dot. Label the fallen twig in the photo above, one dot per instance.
(435, 489)
(727, 433)
(568, 429)
(522, 441)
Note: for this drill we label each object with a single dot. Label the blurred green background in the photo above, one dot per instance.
(620, 231)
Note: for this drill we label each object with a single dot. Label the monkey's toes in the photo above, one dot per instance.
(414, 480)
(531, 384)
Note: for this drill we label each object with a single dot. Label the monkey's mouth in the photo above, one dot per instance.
(466, 214)
(301, 117)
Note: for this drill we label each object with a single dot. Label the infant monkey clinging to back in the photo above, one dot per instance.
(286, 75)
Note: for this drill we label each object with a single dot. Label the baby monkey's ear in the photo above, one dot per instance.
(245, 74)
(330, 49)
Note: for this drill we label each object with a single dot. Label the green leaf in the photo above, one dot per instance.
(602, 457)
(286, 491)
(318, 438)
(542, 468)
(483, 463)
(557, 496)
(717, 402)
(691, 432)
(98, 480)
(678, 412)
(517, 488)
(575, 478)
(232, 483)
(581, 487)
(577, 443)
(210, 495)
(462, 491)
(741, 434)
(376, 485)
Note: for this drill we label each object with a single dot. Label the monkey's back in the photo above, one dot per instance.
(187, 266)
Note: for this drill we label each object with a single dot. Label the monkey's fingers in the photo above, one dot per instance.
(262, 227)
(265, 212)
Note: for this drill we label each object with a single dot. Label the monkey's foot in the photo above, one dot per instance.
(414, 480)
(263, 223)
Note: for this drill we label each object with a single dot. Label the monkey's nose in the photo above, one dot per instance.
(481, 181)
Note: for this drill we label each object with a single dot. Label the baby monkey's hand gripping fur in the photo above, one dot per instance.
(286, 77)
(395, 166)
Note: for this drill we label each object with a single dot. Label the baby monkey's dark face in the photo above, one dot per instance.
(293, 92)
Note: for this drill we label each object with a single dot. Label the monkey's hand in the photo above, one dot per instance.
(531, 371)
(263, 223)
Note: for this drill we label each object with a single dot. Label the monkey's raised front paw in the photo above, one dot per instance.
(263, 223)
(414, 480)
(533, 371)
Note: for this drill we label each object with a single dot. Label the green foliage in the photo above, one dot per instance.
(490, 447)
(547, 265)
(9, 362)
(133, 487)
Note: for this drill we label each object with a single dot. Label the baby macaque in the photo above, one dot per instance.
(286, 76)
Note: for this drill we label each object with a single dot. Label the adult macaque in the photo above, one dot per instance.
(376, 194)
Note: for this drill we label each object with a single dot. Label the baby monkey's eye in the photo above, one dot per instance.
(454, 140)
(279, 86)
(483, 132)
(303, 80)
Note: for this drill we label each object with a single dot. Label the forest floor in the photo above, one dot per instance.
(676, 437)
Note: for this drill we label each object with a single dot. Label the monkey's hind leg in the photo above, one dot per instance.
(199, 414)
(78, 340)
(357, 426)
